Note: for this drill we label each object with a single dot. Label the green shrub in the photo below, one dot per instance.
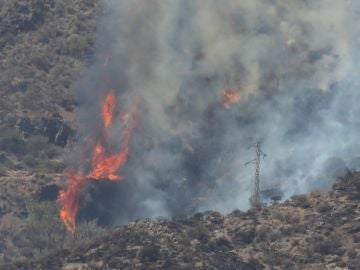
(272, 258)
(323, 207)
(11, 141)
(85, 232)
(36, 144)
(261, 233)
(3, 170)
(200, 233)
(33, 99)
(151, 252)
(220, 243)
(78, 44)
(44, 232)
(245, 234)
(9, 133)
(52, 151)
(53, 166)
(352, 253)
(329, 245)
(44, 229)
(31, 161)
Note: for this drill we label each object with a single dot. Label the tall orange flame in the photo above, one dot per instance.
(103, 165)
(108, 108)
(69, 198)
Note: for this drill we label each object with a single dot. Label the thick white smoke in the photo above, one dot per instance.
(295, 65)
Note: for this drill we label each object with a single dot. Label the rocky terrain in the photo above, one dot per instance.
(316, 231)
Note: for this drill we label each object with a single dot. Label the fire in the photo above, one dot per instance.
(105, 167)
(230, 97)
(68, 200)
(103, 163)
(108, 108)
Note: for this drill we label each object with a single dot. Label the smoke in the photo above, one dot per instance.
(295, 64)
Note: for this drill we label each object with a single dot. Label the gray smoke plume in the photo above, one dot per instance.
(295, 64)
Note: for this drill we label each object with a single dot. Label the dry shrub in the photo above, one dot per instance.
(301, 200)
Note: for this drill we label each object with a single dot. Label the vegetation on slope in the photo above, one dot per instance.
(44, 47)
(316, 231)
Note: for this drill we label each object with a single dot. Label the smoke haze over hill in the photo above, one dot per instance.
(294, 65)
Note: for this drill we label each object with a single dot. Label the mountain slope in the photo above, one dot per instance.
(319, 231)
(44, 45)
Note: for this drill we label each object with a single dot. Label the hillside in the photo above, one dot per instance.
(44, 47)
(318, 231)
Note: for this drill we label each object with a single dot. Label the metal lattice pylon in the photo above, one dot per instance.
(255, 199)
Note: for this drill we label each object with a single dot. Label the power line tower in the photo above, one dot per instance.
(255, 199)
